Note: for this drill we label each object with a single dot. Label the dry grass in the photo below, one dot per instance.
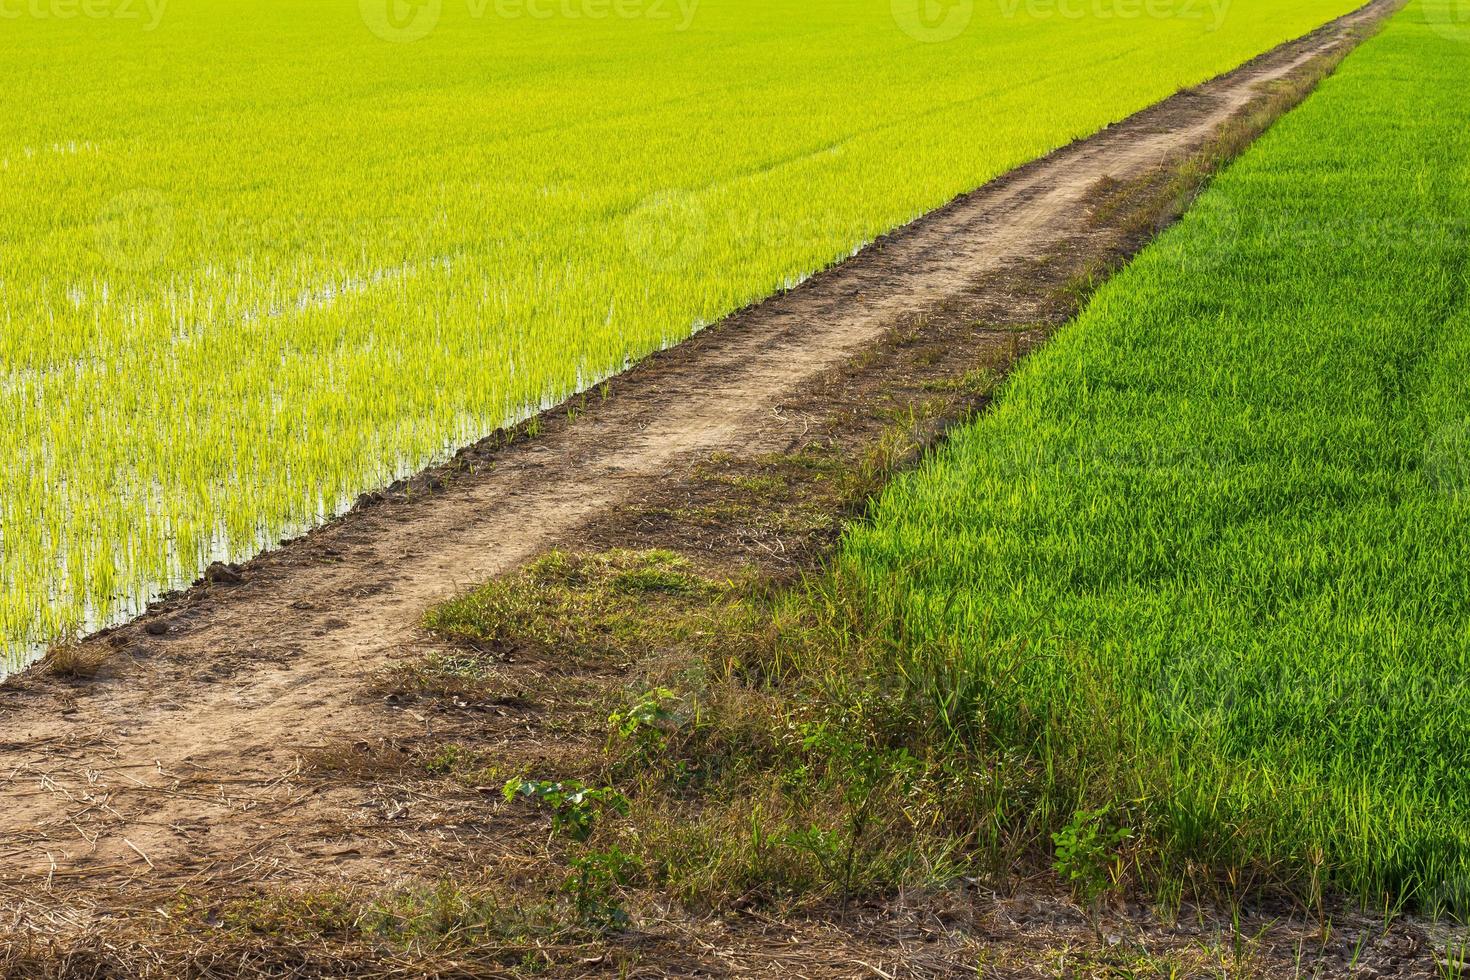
(358, 758)
(77, 661)
(465, 678)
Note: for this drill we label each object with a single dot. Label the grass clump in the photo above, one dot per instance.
(75, 661)
(580, 606)
(487, 921)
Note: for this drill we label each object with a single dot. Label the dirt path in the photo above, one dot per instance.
(172, 764)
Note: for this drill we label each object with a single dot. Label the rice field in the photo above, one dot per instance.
(257, 258)
(1208, 561)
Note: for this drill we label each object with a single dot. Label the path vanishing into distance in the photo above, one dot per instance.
(180, 763)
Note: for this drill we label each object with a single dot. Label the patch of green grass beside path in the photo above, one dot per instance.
(1206, 566)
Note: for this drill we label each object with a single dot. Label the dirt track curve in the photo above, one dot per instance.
(173, 762)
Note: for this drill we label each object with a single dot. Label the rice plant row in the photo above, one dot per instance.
(1207, 564)
(257, 258)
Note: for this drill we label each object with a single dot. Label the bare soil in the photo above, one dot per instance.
(235, 737)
